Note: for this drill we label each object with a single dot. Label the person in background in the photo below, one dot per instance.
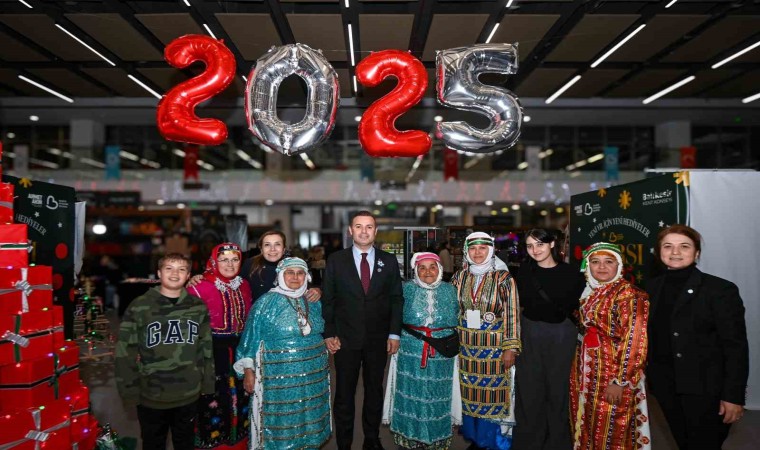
(549, 292)
(362, 307)
(223, 416)
(489, 333)
(699, 354)
(421, 382)
(608, 402)
(447, 261)
(284, 362)
(164, 357)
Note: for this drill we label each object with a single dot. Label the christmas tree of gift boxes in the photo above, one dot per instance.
(43, 403)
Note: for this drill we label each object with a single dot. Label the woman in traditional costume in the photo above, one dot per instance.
(223, 417)
(608, 404)
(422, 382)
(283, 360)
(489, 331)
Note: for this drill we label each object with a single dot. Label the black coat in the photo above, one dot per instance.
(358, 318)
(708, 338)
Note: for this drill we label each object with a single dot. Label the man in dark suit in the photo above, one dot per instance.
(362, 303)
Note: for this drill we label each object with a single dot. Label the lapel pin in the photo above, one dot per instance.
(690, 291)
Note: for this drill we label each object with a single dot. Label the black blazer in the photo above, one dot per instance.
(708, 337)
(351, 315)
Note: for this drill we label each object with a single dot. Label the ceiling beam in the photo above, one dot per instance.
(423, 18)
(500, 10)
(280, 22)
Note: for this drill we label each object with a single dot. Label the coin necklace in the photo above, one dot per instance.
(303, 317)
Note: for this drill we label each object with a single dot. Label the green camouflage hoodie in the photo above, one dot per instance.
(164, 357)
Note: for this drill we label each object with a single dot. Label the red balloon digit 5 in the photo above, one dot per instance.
(377, 131)
(176, 111)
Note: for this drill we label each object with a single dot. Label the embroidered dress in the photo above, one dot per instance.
(290, 406)
(419, 399)
(613, 349)
(486, 387)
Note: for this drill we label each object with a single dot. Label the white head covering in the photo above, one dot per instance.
(486, 266)
(282, 288)
(591, 282)
(423, 256)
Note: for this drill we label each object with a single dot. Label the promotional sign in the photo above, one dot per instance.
(611, 165)
(113, 162)
(629, 215)
(48, 211)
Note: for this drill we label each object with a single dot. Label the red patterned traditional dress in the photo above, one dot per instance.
(613, 349)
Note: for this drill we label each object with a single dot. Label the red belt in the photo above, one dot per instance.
(591, 337)
(427, 349)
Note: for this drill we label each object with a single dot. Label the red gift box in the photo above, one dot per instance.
(35, 428)
(14, 245)
(89, 436)
(30, 335)
(80, 412)
(6, 203)
(40, 381)
(26, 289)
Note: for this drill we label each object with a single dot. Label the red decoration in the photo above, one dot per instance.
(191, 162)
(450, 165)
(6, 202)
(25, 289)
(57, 281)
(61, 251)
(377, 131)
(176, 111)
(688, 157)
(43, 329)
(45, 427)
(14, 245)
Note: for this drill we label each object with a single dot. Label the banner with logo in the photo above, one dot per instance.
(611, 165)
(113, 162)
(48, 209)
(629, 215)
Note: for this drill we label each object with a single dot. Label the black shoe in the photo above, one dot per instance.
(372, 445)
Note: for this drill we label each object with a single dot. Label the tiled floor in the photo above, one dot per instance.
(108, 408)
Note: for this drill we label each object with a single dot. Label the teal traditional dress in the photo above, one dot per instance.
(282, 342)
(418, 398)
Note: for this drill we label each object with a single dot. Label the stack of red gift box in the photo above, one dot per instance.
(43, 403)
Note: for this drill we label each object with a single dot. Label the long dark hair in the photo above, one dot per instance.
(258, 260)
(547, 237)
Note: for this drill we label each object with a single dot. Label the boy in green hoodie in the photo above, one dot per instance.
(164, 357)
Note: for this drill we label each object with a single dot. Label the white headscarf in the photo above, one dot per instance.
(282, 288)
(488, 264)
(591, 282)
(423, 256)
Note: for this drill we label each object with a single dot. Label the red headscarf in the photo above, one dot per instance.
(212, 267)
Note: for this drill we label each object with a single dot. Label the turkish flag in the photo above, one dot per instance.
(688, 157)
(450, 165)
(191, 162)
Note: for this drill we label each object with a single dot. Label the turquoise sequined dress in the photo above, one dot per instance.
(290, 406)
(419, 399)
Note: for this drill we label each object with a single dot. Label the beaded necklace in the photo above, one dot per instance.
(303, 316)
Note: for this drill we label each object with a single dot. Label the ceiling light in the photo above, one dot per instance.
(30, 6)
(495, 27)
(439, 206)
(563, 89)
(351, 45)
(751, 98)
(127, 155)
(575, 174)
(54, 151)
(494, 212)
(346, 3)
(438, 118)
(522, 166)
(595, 158)
(531, 203)
(99, 228)
(357, 118)
(309, 163)
(46, 89)
(10, 135)
(560, 210)
(34, 118)
(68, 155)
(509, 3)
(43, 163)
(269, 202)
(208, 30)
(378, 202)
(526, 119)
(245, 80)
(581, 163)
(515, 207)
(668, 90)
(489, 202)
(187, 2)
(672, 2)
(504, 209)
(144, 86)
(736, 55)
(160, 201)
(618, 45)
(178, 152)
(92, 162)
(180, 206)
(86, 45)
(355, 88)
(544, 212)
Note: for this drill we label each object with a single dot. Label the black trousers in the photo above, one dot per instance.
(156, 423)
(542, 378)
(371, 360)
(693, 419)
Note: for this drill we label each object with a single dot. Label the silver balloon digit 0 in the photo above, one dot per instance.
(457, 86)
(323, 98)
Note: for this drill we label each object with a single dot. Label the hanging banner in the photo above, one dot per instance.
(113, 162)
(611, 165)
(191, 162)
(48, 210)
(450, 165)
(629, 215)
(688, 157)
